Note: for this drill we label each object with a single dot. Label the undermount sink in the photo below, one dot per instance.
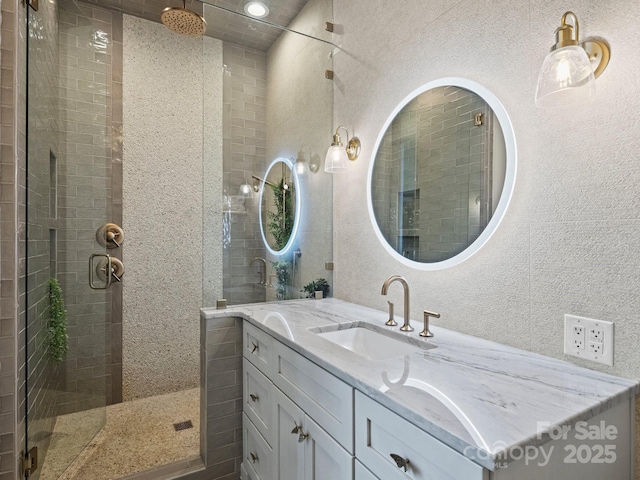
(371, 344)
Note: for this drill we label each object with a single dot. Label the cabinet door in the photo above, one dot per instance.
(324, 458)
(288, 423)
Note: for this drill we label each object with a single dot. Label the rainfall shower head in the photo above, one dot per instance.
(183, 21)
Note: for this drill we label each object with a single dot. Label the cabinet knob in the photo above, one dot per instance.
(254, 398)
(255, 347)
(302, 437)
(400, 462)
(254, 457)
(296, 429)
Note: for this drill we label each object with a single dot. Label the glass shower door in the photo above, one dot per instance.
(68, 201)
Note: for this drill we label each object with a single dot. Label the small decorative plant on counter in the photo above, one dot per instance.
(58, 338)
(317, 285)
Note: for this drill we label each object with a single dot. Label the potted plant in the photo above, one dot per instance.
(319, 285)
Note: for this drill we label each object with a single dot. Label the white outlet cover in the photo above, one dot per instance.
(607, 328)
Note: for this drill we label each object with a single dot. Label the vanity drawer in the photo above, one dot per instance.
(257, 394)
(379, 433)
(257, 455)
(325, 398)
(257, 347)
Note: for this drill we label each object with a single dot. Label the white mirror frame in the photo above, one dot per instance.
(298, 203)
(509, 180)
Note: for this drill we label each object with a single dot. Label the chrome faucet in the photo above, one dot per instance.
(385, 286)
(263, 271)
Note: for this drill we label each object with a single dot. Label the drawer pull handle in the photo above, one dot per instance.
(254, 398)
(302, 437)
(254, 457)
(255, 347)
(400, 462)
(296, 429)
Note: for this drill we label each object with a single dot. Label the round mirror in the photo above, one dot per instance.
(279, 206)
(442, 174)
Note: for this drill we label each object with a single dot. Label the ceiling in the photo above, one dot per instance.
(224, 25)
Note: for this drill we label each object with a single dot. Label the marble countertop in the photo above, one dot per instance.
(481, 398)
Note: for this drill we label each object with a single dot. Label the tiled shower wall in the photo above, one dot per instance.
(85, 197)
(244, 147)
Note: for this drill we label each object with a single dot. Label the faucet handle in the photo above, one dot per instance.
(391, 322)
(427, 314)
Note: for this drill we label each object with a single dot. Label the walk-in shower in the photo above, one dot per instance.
(135, 135)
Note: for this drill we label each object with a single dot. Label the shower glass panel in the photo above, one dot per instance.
(277, 103)
(68, 190)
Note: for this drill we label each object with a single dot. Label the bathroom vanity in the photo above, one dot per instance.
(329, 392)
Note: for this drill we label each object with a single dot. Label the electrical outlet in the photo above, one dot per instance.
(577, 336)
(595, 348)
(589, 338)
(596, 335)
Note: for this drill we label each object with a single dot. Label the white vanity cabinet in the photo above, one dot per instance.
(298, 418)
(301, 422)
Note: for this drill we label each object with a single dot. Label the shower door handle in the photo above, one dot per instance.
(92, 271)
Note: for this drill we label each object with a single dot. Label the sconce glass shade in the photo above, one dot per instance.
(299, 166)
(566, 78)
(245, 189)
(336, 160)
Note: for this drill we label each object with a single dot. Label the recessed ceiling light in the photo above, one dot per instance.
(256, 9)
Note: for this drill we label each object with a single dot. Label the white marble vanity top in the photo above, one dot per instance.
(479, 397)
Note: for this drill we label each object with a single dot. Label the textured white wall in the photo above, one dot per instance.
(571, 236)
(163, 84)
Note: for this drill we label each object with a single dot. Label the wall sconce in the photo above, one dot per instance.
(300, 162)
(568, 73)
(337, 155)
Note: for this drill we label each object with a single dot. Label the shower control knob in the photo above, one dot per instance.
(110, 235)
(117, 269)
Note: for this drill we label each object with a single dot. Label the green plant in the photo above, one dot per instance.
(58, 338)
(281, 221)
(282, 269)
(312, 287)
